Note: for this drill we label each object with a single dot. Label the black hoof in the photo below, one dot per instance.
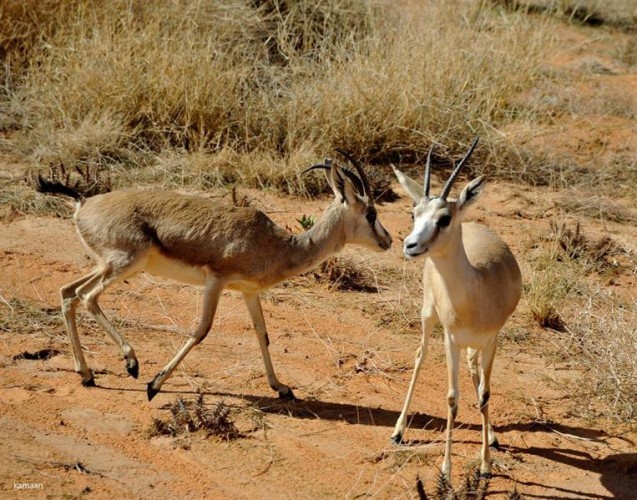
(89, 383)
(495, 444)
(151, 391)
(288, 395)
(397, 439)
(132, 367)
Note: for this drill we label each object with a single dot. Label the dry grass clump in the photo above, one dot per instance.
(594, 254)
(626, 51)
(203, 171)
(116, 78)
(20, 316)
(599, 207)
(22, 199)
(550, 284)
(554, 278)
(597, 334)
(552, 100)
(601, 343)
(188, 417)
(346, 274)
(124, 83)
(615, 13)
(559, 269)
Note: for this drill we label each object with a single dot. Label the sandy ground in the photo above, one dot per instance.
(348, 355)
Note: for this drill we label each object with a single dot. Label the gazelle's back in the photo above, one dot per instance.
(490, 255)
(196, 231)
(499, 285)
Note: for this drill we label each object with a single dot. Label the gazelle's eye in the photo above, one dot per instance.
(371, 216)
(444, 221)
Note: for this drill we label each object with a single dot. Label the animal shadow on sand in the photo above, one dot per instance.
(618, 471)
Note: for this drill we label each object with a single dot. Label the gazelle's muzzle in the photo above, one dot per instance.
(414, 246)
(383, 238)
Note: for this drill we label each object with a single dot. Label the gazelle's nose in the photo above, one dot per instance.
(413, 248)
(387, 242)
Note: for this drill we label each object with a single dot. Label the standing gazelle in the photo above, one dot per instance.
(471, 282)
(205, 242)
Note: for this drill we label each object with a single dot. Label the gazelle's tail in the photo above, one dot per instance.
(43, 185)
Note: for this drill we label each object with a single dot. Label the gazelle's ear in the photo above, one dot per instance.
(412, 188)
(342, 186)
(471, 192)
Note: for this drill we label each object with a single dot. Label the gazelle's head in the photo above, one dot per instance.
(437, 219)
(354, 196)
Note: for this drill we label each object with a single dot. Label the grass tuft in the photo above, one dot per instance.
(601, 343)
(576, 246)
(20, 316)
(345, 274)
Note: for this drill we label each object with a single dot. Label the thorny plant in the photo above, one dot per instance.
(186, 418)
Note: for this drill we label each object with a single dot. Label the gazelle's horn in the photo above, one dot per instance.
(456, 171)
(428, 173)
(361, 174)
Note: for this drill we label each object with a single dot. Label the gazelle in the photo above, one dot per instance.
(204, 242)
(471, 282)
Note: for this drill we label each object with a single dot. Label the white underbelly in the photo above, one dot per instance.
(471, 338)
(160, 265)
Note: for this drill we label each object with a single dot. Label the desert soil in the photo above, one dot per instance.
(348, 356)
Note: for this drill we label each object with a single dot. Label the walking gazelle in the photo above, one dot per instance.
(208, 243)
(471, 282)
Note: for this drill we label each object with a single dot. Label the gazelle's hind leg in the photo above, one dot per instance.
(256, 313)
(484, 393)
(88, 291)
(69, 301)
(472, 360)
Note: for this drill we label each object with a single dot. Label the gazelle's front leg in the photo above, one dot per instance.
(212, 292)
(452, 352)
(428, 322)
(256, 313)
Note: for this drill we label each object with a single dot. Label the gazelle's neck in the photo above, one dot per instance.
(452, 264)
(321, 241)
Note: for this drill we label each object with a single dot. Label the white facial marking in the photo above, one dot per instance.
(426, 227)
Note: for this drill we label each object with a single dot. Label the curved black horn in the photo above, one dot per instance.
(428, 173)
(456, 171)
(326, 165)
(361, 174)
